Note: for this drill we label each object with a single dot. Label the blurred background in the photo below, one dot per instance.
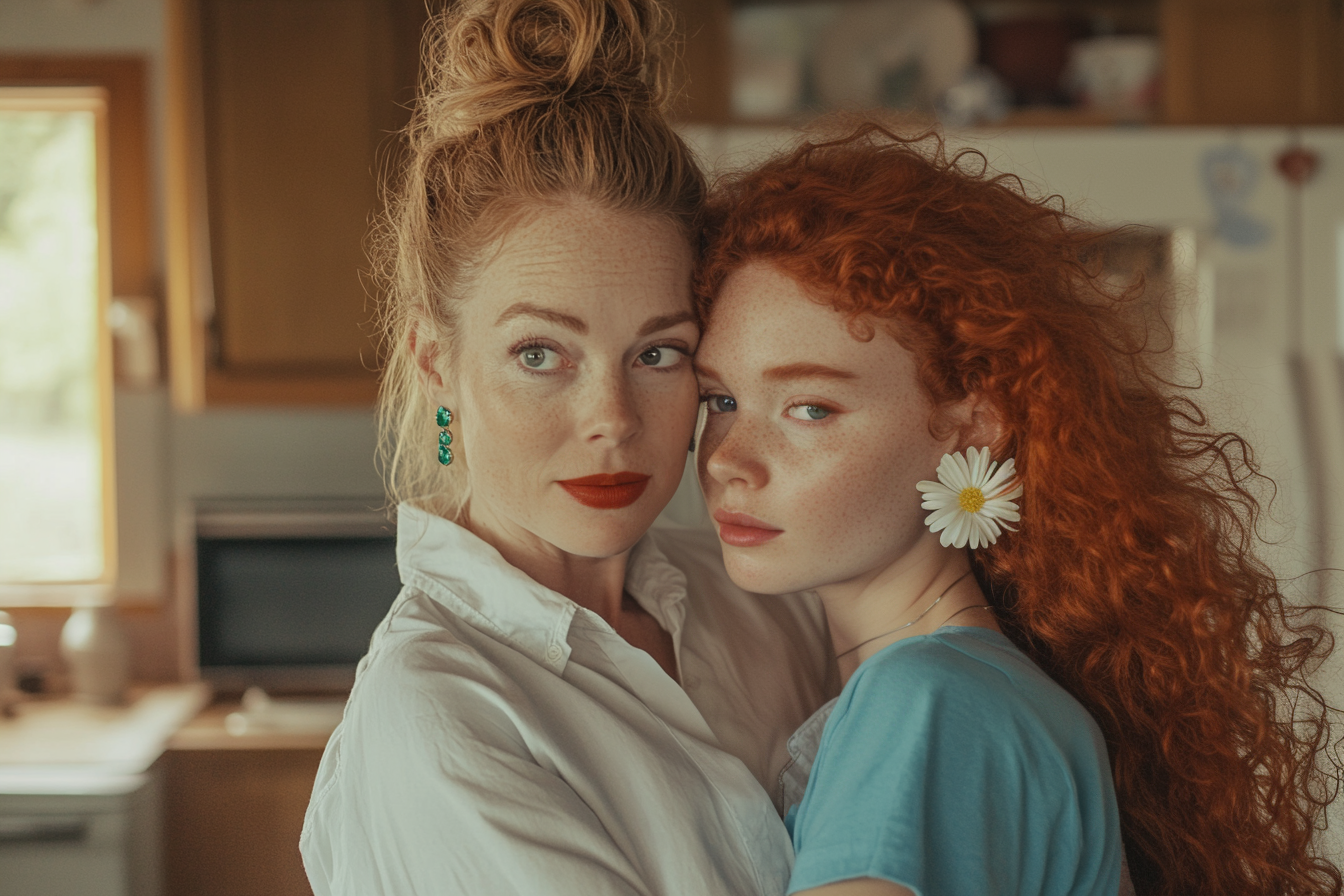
(192, 553)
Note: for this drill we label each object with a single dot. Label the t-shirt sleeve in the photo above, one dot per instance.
(936, 775)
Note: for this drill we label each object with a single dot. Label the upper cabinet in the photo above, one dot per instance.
(1253, 61)
(1007, 62)
(282, 118)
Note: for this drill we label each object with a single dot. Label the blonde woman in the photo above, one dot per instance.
(559, 701)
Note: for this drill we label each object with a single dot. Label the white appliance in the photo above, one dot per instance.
(1259, 265)
(66, 833)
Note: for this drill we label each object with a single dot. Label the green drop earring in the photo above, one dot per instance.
(444, 418)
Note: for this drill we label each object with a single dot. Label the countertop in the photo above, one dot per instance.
(61, 745)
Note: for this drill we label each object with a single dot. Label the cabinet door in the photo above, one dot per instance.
(232, 820)
(1253, 61)
(294, 108)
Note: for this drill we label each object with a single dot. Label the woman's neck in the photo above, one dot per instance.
(594, 583)
(913, 595)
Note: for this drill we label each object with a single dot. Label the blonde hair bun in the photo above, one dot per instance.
(491, 58)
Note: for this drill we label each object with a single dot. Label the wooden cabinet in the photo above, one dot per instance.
(283, 116)
(233, 809)
(232, 820)
(1253, 61)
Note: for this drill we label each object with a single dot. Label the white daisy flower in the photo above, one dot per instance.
(971, 502)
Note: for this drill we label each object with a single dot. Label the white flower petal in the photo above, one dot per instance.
(964, 468)
(940, 518)
(946, 538)
(933, 488)
(938, 502)
(999, 509)
(950, 474)
(959, 531)
(975, 535)
(997, 481)
(979, 465)
(991, 528)
(983, 532)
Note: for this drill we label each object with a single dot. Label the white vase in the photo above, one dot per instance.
(94, 646)
(9, 691)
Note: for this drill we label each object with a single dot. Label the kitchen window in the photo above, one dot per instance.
(57, 510)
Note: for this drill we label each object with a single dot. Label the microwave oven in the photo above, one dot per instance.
(283, 595)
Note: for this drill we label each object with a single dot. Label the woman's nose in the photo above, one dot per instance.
(609, 410)
(731, 451)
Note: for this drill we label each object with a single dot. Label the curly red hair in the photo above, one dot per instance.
(1132, 580)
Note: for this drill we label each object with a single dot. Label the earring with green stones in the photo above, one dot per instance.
(444, 418)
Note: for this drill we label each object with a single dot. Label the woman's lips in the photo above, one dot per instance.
(743, 531)
(607, 491)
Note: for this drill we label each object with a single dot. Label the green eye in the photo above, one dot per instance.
(808, 412)
(537, 357)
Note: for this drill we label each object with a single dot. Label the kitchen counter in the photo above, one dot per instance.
(80, 795)
(61, 745)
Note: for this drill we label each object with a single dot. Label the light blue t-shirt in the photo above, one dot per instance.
(951, 764)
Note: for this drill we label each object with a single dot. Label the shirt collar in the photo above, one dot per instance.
(468, 576)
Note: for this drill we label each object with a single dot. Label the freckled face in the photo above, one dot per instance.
(811, 432)
(575, 341)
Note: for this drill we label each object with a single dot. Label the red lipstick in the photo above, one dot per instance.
(607, 491)
(743, 531)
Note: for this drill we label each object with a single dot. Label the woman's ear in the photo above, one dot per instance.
(977, 423)
(428, 363)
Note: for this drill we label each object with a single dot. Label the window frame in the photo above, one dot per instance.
(93, 99)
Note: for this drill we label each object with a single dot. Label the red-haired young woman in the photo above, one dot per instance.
(925, 404)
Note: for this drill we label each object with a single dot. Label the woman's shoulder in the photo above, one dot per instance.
(971, 677)
(426, 662)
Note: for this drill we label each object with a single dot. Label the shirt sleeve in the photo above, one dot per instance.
(936, 777)
(436, 793)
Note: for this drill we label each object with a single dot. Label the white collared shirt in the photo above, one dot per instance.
(502, 739)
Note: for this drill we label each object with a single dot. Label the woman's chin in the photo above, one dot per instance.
(759, 575)
(599, 533)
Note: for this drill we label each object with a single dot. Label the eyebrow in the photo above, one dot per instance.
(806, 371)
(527, 309)
(665, 321)
(799, 371)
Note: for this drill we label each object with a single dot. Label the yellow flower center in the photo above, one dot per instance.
(971, 499)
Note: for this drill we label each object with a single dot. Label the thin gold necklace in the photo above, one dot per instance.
(912, 621)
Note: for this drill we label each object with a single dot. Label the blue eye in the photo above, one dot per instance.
(721, 404)
(808, 412)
